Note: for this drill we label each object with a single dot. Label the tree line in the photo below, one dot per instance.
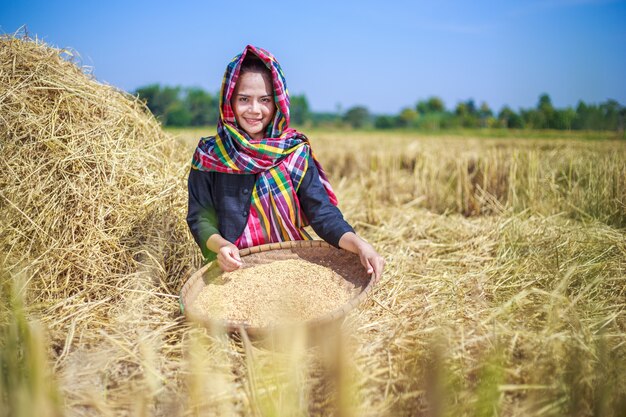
(193, 106)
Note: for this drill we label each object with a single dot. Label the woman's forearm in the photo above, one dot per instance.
(215, 242)
(350, 242)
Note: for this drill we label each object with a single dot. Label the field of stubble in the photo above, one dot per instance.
(504, 294)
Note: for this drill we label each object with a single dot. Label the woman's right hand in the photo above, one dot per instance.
(227, 254)
(228, 257)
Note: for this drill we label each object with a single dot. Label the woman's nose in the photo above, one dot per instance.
(255, 107)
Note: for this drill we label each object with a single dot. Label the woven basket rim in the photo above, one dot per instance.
(235, 326)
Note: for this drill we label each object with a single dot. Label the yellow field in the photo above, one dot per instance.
(503, 293)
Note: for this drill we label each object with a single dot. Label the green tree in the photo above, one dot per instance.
(149, 94)
(432, 121)
(533, 119)
(562, 119)
(327, 119)
(299, 110)
(485, 115)
(546, 114)
(177, 114)
(160, 99)
(509, 119)
(467, 114)
(357, 116)
(611, 114)
(407, 117)
(431, 105)
(466, 108)
(545, 102)
(605, 116)
(385, 122)
(202, 106)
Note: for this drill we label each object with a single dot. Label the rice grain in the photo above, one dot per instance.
(280, 291)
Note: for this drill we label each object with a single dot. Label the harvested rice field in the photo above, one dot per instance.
(504, 291)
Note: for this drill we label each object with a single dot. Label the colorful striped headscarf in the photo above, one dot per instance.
(281, 159)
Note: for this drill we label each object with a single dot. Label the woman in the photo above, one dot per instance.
(257, 180)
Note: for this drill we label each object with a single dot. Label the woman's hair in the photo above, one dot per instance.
(252, 63)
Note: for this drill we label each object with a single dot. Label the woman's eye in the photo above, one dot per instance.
(243, 99)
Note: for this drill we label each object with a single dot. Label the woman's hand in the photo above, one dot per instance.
(227, 254)
(228, 258)
(371, 260)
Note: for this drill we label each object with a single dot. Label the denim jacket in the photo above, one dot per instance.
(220, 203)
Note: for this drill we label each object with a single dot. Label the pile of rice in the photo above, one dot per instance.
(290, 290)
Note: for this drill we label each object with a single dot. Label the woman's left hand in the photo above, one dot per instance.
(371, 260)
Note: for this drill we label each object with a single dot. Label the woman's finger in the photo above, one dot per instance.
(377, 263)
(222, 263)
(366, 264)
(235, 254)
(229, 267)
(225, 267)
(226, 260)
(233, 263)
(233, 257)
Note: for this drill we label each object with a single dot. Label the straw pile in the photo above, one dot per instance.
(280, 291)
(88, 188)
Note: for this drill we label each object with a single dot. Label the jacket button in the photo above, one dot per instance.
(245, 191)
(244, 213)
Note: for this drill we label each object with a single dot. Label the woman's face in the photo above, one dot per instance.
(253, 103)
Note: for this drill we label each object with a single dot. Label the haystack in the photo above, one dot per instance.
(90, 187)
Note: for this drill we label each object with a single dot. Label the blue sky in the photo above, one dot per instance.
(385, 55)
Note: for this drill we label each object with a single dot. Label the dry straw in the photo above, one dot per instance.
(88, 188)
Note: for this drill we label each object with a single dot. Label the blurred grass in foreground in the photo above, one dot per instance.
(26, 384)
